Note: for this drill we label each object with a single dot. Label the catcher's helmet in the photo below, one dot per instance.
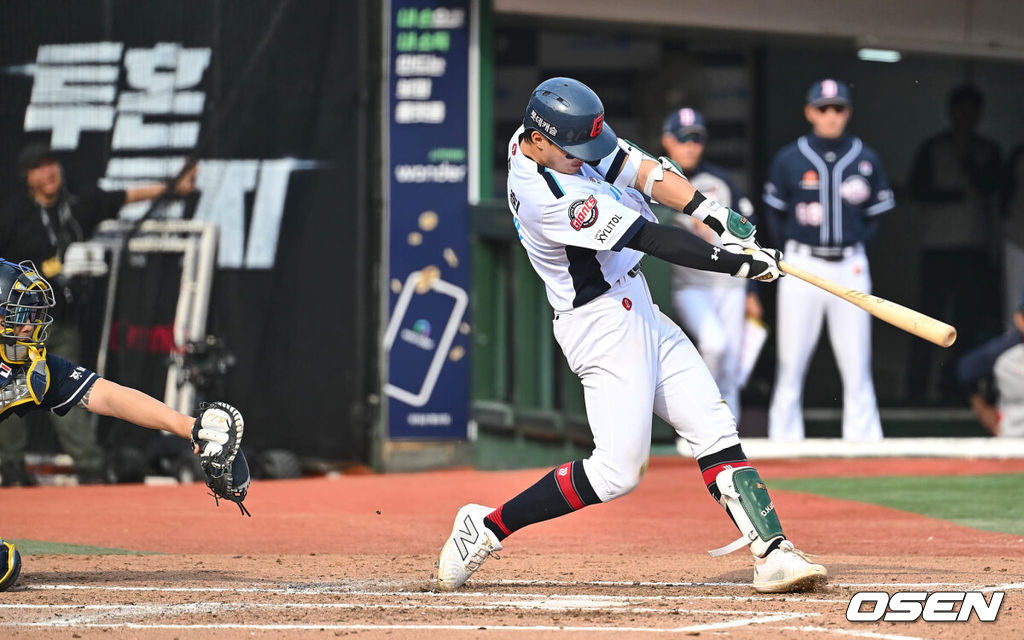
(570, 114)
(10, 565)
(25, 300)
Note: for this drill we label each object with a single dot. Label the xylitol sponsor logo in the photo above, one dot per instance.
(908, 606)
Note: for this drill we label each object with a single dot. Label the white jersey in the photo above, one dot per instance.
(1009, 375)
(575, 227)
(719, 190)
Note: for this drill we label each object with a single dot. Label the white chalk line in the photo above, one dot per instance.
(851, 632)
(422, 594)
(190, 607)
(628, 583)
(416, 627)
(94, 613)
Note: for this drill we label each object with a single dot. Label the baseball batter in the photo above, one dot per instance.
(826, 191)
(33, 380)
(579, 198)
(711, 306)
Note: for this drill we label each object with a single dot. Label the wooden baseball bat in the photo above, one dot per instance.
(897, 315)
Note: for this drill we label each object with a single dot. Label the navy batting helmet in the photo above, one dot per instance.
(10, 565)
(570, 114)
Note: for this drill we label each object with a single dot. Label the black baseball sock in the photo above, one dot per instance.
(713, 464)
(561, 491)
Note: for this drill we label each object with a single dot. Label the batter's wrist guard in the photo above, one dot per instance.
(746, 498)
(728, 224)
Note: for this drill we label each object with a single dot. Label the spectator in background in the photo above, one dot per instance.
(825, 191)
(955, 179)
(1013, 228)
(712, 306)
(999, 364)
(38, 224)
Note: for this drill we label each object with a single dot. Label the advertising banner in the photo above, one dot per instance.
(267, 94)
(426, 339)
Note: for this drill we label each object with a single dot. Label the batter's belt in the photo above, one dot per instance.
(832, 254)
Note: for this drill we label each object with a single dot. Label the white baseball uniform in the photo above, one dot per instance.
(631, 358)
(1009, 376)
(712, 305)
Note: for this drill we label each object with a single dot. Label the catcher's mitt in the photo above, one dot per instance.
(217, 433)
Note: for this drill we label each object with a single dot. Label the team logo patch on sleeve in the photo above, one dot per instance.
(583, 213)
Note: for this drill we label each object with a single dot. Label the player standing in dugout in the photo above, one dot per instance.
(579, 196)
(826, 191)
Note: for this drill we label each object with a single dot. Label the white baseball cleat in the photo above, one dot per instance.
(469, 544)
(787, 569)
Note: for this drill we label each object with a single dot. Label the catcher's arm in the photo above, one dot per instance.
(111, 399)
(216, 432)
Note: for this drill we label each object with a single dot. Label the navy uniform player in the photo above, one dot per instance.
(33, 380)
(711, 306)
(1001, 362)
(579, 199)
(827, 190)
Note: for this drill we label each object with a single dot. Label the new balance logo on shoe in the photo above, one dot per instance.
(468, 535)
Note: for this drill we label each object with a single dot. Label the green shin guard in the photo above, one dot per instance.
(746, 499)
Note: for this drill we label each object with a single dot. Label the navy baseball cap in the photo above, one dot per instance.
(828, 91)
(686, 124)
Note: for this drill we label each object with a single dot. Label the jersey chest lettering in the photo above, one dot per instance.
(810, 180)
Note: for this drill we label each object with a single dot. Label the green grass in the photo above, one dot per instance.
(42, 548)
(987, 502)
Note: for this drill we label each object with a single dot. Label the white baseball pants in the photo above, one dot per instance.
(801, 309)
(633, 359)
(714, 317)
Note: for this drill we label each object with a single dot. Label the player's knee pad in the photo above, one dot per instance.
(10, 565)
(746, 498)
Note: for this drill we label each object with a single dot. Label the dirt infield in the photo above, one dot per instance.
(354, 555)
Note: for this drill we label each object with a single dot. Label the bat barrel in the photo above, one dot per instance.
(911, 321)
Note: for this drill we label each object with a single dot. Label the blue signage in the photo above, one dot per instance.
(426, 341)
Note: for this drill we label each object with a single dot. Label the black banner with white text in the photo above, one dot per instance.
(269, 95)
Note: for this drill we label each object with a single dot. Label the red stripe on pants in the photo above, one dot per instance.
(563, 475)
(712, 473)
